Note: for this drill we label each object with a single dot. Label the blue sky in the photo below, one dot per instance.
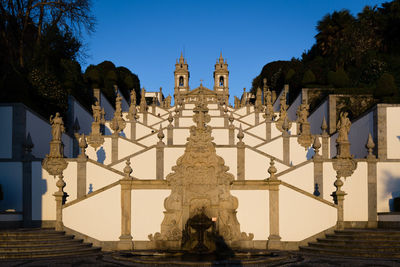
(148, 36)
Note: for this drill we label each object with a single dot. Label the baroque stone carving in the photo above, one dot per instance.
(344, 165)
(143, 104)
(200, 181)
(118, 123)
(258, 105)
(54, 162)
(96, 139)
(283, 113)
(304, 135)
(132, 114)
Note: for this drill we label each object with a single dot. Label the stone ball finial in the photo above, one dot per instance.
(170, 118)
(316, 144)
(160, 134)
(231, 119)
(128, 169)
(272, 169)
(240, 134)
(370, 146)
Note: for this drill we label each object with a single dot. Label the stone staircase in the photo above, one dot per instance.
(372, 243)
(42, 243)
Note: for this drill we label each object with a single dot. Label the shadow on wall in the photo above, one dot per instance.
(392, 187)
(39, 189)
(101, 155)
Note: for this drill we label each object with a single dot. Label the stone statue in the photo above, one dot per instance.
(244, 98)
(283, 113)
(54, 162)
(343, 127)
(167, 102)
(143, 104)
(57, 127)
(303, 112)
(303, 126)
(133, 97)
(258, 104)
(98, 113)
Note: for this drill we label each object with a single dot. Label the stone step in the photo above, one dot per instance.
(48, 247)
(35, 237)
(359, 243)
(362, 237)
(348, 253)
(40, 242)
(87, 251)
(30, 232)
(368, 232)
(357, 247)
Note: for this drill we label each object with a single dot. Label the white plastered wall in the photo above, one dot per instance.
(147, 212)
(143, 165)
(108, 108)
(70, 180)
(99, 215)
(259, 130)
(102, 154)
(356, 200)
(317, 117)
(171, 154)
(250, 119)
(301, 216)
(256, 165)
(253, 212)
(150, 140)
(221, 136)
(6, 119)
(293, 108)
(180, 136)
(216, 122)
(43, 201)
(301, 177)
(11, 182)
(185, 122)
(393, 132)
(85, 119)
(358, 135)
(98, 176)
(151, 119)
(230, 158)
(388, 185)
(142, 130)
(329, 177)
(126, 148)
(273, 148)
(298, 153)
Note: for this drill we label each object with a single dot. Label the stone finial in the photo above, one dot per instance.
(95, 139)
(160, 134)
(170, 118)
(28, 144)
(342, 141)
(231, 119)
(370, 146)
(240, 135)
(272, 170)
(324, 127)
(76, 127)
(128, 170)
(316, 146)
(286, 126)
(82, 145)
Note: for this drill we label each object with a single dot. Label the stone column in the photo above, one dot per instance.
(176, 119)
(286, 141)
(27, 182)
(256, 118)
(133, 130)
(240, 155)
(125, 242)
(226, 122)
(372, 185)
(274, 239)
(318, 169)
(325, 140)
(160, 156)
(381, 131)
(145, 118)
(268, 129)
(247, 109)
(114, 147)
(59, 226)
(340, 203)
(332, 113)
(231, 135)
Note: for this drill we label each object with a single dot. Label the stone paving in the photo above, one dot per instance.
(292, 259)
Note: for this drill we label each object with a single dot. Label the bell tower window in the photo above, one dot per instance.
(221, 81)
(180, 81)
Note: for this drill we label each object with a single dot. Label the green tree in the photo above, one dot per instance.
(385, 86)
(338, 78)
(308, 78)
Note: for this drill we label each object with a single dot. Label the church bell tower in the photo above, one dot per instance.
(221, 78)
(181, 74)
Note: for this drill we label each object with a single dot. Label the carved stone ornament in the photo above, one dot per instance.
(143, 104)
(95, 139)
(118, 123)
(344, 165)
(54, 162)
(304, 136)
(283, 114)
(200, 180)
(258, 105)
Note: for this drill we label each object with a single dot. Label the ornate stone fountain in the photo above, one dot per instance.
(200, 186)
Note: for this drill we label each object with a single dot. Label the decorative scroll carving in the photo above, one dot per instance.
(200, 180)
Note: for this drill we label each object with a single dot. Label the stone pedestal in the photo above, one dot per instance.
(125, 242)
(274, 237)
